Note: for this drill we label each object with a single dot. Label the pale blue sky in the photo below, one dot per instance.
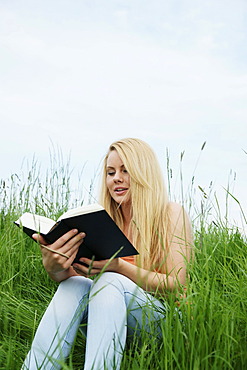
(84, 73)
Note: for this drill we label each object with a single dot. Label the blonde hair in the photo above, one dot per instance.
(149, 226)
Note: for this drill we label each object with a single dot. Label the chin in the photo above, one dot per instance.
(125, 202)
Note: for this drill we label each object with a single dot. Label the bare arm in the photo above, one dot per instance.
(180, 243)
(58, 266)
(179, 250)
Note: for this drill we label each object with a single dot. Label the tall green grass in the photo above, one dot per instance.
(208, 332)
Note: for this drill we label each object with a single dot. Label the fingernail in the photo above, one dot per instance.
(82, 235)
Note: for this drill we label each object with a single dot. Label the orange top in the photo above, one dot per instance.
(130, 259)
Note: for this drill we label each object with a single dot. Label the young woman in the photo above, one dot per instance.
(121, 301)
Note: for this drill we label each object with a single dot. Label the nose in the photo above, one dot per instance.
(118, 177)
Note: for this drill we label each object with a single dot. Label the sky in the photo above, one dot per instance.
(80, 74)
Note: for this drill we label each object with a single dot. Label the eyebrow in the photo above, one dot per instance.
(114, 167)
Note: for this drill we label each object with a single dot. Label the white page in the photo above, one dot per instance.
(81, 211)
(35, 222)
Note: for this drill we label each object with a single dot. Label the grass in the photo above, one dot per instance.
(213, 331)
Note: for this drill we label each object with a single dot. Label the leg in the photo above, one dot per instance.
(115, 302)
(57, 329)
(145, 313)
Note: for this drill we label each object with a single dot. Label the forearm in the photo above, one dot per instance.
(148, 280)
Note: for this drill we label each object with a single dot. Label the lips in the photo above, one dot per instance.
(120, 190)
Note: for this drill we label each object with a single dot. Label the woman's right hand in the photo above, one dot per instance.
(66, 247)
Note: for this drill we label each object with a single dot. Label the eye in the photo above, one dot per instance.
(110, 173)
(125, 171)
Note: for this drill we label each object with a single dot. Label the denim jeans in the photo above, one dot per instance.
(112, 309)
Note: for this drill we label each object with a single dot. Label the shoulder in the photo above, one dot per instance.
(178, 216)
(175, 209)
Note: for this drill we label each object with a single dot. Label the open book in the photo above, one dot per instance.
(103, 237)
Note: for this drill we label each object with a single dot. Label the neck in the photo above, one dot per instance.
(126, 212)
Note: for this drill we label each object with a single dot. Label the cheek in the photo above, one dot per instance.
(128, 179)
(108, 183)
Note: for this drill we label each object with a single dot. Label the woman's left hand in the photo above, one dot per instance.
(90, 267)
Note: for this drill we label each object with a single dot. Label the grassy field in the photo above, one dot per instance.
(213, 331)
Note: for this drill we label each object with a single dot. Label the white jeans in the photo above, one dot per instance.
(112, 307)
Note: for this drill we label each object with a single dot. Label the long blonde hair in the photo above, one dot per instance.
(149, 226)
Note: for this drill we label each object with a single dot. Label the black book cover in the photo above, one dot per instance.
(103, 237)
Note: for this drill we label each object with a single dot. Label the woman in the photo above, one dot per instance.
(121, 300)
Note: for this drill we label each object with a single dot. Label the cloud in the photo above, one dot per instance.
(86, 74)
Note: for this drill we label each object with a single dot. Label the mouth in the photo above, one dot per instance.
(120, 190)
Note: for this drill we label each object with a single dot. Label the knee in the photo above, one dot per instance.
(110, 280)
(107, 278)
(75, 286)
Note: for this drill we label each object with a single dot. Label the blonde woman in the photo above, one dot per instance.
(121, 302)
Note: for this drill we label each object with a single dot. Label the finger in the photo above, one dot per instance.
(66, 247)
(72, 252)
(39, 238)
(99, 264)
(73, 256)
(73, 244)
(70, 255)
(86, 261)
(68, 242)
(85, 270)
(65, 238)
(54, 251)
(89, 263)
(67, 262)
(79, 270)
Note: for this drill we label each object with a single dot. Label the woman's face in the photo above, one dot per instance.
(117, 179)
